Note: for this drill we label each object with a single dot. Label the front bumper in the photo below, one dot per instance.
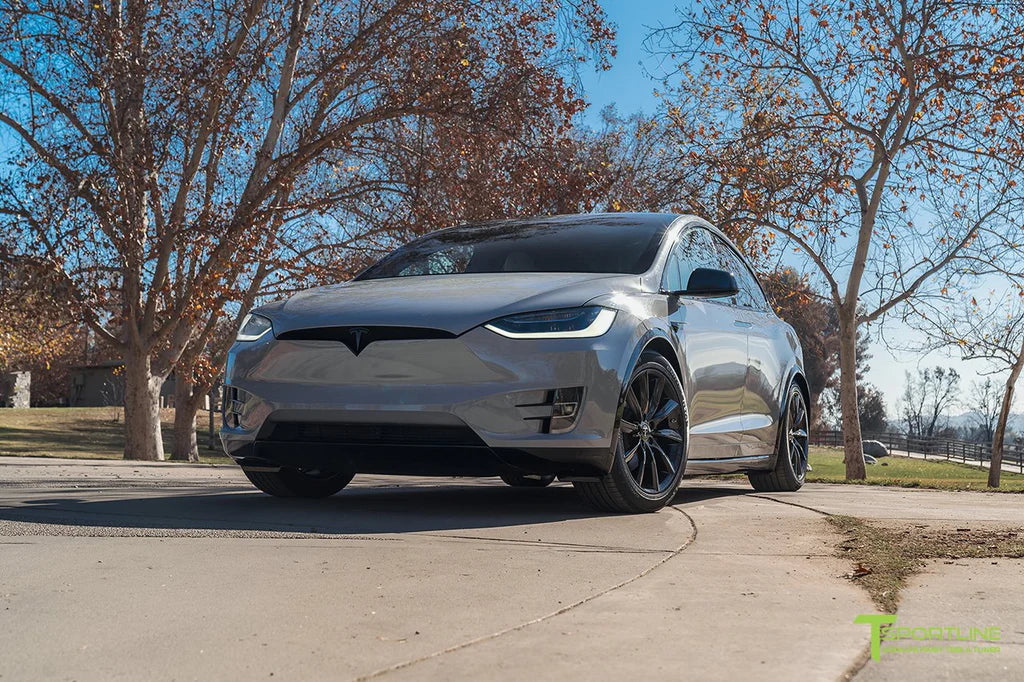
(471, 405)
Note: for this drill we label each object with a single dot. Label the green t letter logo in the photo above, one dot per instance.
(876, 621)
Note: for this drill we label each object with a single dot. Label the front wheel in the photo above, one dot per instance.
(296, 483)
(791, 451)
(650, 446)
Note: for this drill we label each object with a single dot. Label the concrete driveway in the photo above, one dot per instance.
(117, 570)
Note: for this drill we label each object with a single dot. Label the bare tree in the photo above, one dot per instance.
(989, 331)
(984, 402)
(927, 398)
(178, 140)
(879, 140)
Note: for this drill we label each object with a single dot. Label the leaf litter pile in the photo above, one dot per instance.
(885, 556)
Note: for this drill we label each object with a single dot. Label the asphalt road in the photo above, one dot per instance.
(116, 570)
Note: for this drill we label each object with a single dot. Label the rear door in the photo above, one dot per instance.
(761, 397)
(715, 351)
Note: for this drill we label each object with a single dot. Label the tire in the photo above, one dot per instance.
(295, 483)
(650, 443)
(791, 451)
(528, 480)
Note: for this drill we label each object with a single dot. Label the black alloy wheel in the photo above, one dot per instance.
(650, 446)
(791, 466)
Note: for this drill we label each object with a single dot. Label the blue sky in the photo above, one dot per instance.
(629, 86)
(626, 85)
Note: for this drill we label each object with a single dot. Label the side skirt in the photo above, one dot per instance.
(728, 465)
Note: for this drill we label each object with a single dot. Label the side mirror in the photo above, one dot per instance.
(711, 283)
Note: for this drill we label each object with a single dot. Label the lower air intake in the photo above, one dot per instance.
(374, 434)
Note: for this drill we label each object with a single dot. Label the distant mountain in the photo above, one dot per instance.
(969, 419)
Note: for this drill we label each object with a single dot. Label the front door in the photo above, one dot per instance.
(715, 351)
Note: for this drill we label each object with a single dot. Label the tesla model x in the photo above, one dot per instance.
(615, 351)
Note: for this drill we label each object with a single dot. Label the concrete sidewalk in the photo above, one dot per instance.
(115, 570)
(908, 504)
(964, 594)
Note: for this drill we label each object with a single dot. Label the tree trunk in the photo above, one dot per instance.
(142, 438)
(186, 449)
(853, 447)
(995, 465)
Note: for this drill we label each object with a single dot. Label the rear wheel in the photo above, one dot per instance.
(791, 452)
(297, 483)
(650, 446)
(528, 480)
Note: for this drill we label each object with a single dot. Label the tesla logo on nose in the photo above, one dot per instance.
(358, 334)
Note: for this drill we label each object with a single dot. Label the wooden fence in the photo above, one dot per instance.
(931, 448)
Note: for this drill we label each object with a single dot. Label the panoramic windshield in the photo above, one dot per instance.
(600, 244)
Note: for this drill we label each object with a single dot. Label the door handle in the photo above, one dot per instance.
(743, 324)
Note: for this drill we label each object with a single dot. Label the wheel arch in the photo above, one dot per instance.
(796, 377)
(656, 340)
(662, 346)
(800, 380)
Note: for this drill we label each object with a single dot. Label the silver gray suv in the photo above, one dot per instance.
(616, 351)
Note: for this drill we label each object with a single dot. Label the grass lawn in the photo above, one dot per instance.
(910, 473)
(98, 433)
(83, 432)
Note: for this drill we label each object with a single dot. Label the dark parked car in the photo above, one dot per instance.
(615, 351)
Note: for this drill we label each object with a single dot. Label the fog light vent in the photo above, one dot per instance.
(233, 405)
(565, 408)
(559, 410)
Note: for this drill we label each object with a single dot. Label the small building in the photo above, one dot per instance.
(102, 385)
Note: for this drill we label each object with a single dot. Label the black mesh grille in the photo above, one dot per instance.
(384, 434)
(358, 338)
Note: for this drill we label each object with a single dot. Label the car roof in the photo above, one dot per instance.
(653, 220)
(640, 219)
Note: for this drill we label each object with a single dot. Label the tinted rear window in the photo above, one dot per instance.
(600, 244)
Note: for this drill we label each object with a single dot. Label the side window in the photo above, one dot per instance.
(693, 250)
(756, 293)
(727, 261)
(750, 295)
(671, 280)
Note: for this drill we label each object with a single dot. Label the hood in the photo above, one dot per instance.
(454, 303)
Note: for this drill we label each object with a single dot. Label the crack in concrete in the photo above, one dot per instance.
(851, 671)
(858, 663)
(791, 504)
(540, 619)
(547, 543)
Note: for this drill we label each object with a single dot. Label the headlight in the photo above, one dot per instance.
(568, 323)
(253, 327)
